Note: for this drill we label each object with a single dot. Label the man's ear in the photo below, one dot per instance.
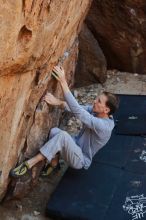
(107, 110)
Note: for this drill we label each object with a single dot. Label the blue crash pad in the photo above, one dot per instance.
(129, 201)
(84, 194)
(131, 105)
(123, 152)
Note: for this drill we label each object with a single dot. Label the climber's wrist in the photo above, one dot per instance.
(64, 86)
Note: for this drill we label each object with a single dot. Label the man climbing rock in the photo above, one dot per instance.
(78, 152)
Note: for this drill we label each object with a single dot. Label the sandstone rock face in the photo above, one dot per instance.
(34, 35)
(120, 28)
(91, 66)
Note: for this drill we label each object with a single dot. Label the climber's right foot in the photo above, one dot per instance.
(50, 169)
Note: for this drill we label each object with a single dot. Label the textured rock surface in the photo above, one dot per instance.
(120, 28)
(91, 66)
(34, 34)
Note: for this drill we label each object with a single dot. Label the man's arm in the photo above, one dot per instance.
(88, 108)
(84, 116)
(52, 100)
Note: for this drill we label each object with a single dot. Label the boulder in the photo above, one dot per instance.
(35, 36)
(120, 28)
(91, 66)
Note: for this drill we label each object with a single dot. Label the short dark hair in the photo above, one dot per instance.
(112, 102)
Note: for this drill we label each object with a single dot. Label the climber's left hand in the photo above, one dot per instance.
(59, 74)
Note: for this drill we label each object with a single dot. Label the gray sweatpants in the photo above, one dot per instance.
(61, 141)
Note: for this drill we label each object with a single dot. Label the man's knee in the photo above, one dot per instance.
(57, 131)
(54, 131)
(64, 133)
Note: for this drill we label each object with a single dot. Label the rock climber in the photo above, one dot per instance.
(77, 151)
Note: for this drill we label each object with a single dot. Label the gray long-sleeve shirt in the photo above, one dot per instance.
(95, 132)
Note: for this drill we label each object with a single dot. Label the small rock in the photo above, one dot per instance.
(135, 74)
(19, 207)
(132, 11)
(36, 213)
(83, 101)
(118, 79)
(70, 122)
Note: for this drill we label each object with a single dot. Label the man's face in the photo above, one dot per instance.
(99, 104)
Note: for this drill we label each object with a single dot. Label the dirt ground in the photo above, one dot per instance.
(33, 206)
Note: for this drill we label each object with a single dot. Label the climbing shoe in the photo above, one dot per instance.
(20, 170)
(49, 169)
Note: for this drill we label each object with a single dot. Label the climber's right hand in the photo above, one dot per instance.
(52, 100)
